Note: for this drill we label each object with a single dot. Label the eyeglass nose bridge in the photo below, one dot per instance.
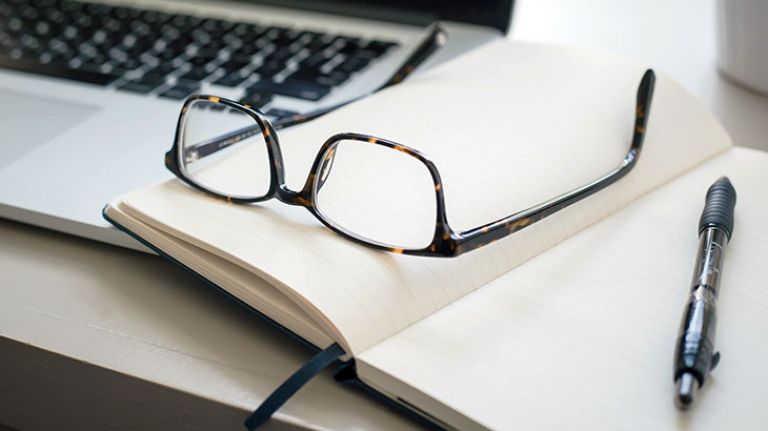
(317, 177)
(170, 161)
(326, 168)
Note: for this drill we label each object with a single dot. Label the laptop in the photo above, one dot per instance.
(90, 91)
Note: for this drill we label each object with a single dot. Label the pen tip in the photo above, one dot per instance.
(686, 391)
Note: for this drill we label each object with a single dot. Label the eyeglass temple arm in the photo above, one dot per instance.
(436, 37)
(480, 236)
(210, 146)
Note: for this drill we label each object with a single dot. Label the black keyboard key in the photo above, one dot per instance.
(241, 57)
(280, 55)
(292, 88)
(54, 16)
(113, 69)
(282, 36)
(6, 9)
(257, 99)
(196, 74)
(125, 64)
(14, 25)
(349, 46)
(231, 41)
(150, 76)
(61, 47)
(27, 12)
(70, 6)
(167, 32)
(180, 91)
(137, 87)
(306, 73)
(315, 60)
(234, 65)
(201, 37)
(344, 40)
(144, 85)
(310, 35)
(247, 31)
(201, 59)
(85, 22)
(165, 53)
(95, 9)
(92, 67)
(230, 80)
(317, 50)
(154, 17)
(58, 71)
(71, 33)
(42, 29)
(215, 27)
(279, 113)
(125, 13)
(114, 25)
(163, 69)
(30, 43)
(179, 45)
(353, 64)
(270, 69)
(366, 53)
(185, 22)
(379, 47)
(332, 79)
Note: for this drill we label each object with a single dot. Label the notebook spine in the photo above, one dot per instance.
(347, 374)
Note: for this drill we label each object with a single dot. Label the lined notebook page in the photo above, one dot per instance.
(582, 336)
(507, 126)
(241, 283)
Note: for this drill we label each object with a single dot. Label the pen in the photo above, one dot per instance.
(695, 354)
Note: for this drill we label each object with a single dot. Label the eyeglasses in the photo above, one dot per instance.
(370, 190)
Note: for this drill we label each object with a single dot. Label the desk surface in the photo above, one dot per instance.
(99, 321)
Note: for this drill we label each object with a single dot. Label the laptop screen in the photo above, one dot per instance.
(491, 13)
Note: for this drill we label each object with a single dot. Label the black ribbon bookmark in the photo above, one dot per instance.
(285, 391)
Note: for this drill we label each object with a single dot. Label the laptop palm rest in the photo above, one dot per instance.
(28, 122)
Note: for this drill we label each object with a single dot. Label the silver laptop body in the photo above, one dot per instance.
(70, 145)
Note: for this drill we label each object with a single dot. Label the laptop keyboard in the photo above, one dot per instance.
(166, 54)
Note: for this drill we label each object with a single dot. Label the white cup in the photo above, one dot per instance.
(742, 47)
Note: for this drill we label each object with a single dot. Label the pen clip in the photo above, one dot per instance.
(715, 361)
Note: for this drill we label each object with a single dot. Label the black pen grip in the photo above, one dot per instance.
(718, 209)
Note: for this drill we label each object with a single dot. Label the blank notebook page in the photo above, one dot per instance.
(582, 336)
(532, 123)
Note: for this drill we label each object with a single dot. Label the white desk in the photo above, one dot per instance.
(91, 334)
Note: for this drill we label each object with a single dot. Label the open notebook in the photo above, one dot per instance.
(569, 321)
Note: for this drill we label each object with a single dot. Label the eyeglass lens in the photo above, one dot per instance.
(377, 193)
(205, 159)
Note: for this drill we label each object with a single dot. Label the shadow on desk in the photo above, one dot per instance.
(93, 335)
(30, 398)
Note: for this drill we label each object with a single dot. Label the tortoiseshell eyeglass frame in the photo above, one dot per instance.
(446, 242)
